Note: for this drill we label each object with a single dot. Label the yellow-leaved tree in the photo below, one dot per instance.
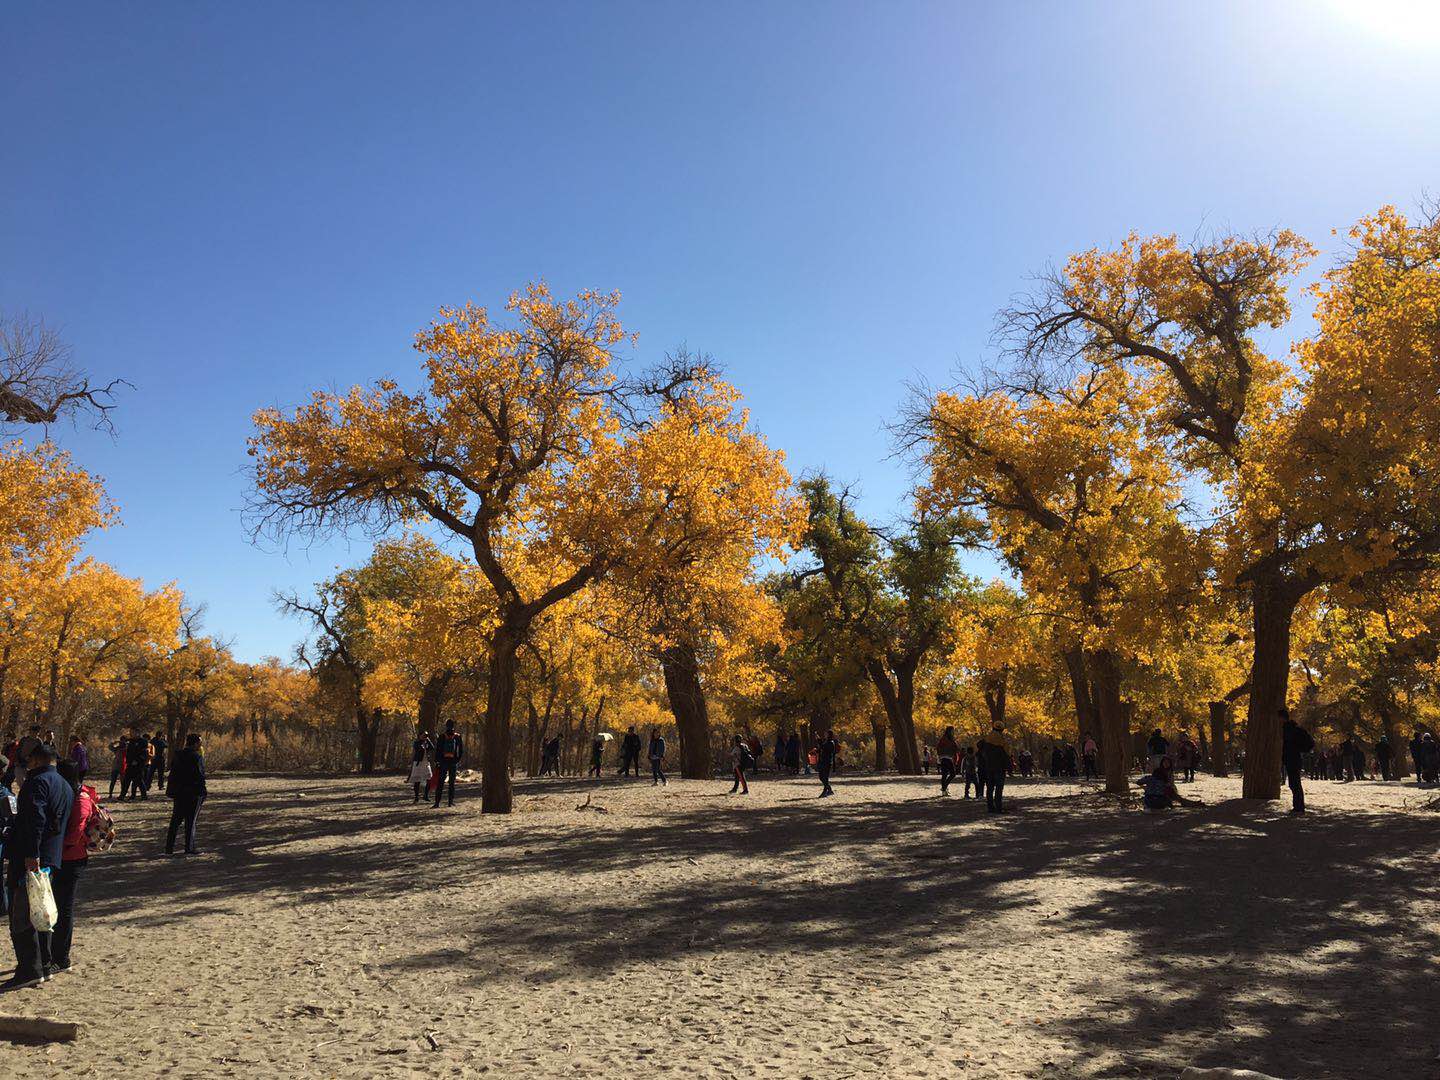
(529, 444)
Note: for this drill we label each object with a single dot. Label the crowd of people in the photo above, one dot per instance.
(50, 822)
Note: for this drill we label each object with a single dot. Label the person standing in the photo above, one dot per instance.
(1158, 747)
(449, 751)
(420, 770)
(74, 857)
(947, 748)
(187, 789)
(137, 763)
(630, 753)
(158, 746)
(1090, 754)
(926, 758)
(597, 754)
(739, 753)
(792, 753)
(117, 763)
(995, 756)
(1295, 743)
(1416, 751)
(825, 762)
(20, 760)
(79, 756)
(779, 752)
(1383, 757)
(657, 758)
(37, 842)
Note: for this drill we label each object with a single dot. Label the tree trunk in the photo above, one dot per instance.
(432, 700)
(1398, 755)
(1087, 717)
(1114, 728)
(898, 699)
(1274, 606)
(1219, 749)
(692, 718)
(877, 728)
(367, 725)
(496, 796)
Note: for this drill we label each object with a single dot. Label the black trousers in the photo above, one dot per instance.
(185, 811)
(1384, 767)
(157, 773)
(32, 948)
(442, 770)
(66, 884)
(947, 773)
(656, 772)
(1294, 775)
(825, 788)
(134, 783)
(632, 760)
(1089, 766)
(114, 776)
(994, 791)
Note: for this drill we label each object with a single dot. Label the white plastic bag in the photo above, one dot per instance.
(43, 913)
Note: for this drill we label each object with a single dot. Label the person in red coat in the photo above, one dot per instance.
(74, 857)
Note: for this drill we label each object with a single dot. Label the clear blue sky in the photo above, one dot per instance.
(232, 204)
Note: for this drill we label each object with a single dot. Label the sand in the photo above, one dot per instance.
(332, 926)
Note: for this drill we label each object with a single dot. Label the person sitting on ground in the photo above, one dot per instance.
(1158, 789)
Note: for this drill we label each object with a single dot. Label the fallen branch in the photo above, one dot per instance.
(38, 1029)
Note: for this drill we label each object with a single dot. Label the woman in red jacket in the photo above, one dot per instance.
(76, 853)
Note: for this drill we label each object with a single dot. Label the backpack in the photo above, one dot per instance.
(747, 758)
(100, 831)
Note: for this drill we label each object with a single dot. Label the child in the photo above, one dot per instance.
(968, 773)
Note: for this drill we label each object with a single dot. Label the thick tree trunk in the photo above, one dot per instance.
(995, 695)
(877, 729)
(1087, 717)
(496, 796)
(1114, 727)
(898, 699)
(1274, 606)
(681, 669)
(1219, 747)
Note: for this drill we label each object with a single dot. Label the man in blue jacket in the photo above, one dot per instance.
(35, 843)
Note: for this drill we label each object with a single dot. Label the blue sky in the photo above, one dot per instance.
(230, 205)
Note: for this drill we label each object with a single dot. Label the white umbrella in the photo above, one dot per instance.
(606, 736)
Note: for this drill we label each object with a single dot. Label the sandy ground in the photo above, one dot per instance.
(884, 932)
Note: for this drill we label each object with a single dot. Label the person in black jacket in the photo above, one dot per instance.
(36, 842)
(187, 788)
(157, 763)
(1295, 743)
(449, 750)
(630, 752)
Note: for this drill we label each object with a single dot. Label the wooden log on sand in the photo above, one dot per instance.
(38, 1029)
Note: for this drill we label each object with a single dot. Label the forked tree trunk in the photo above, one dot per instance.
(496, 795)
(1114, 728)
(1087, 717)
(1219, 750)
(1274, 606)
(898, 699)
(681, 669)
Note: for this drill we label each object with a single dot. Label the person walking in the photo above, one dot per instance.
(825, 761)
(995, 757)
(1429, 768)
(948, 749)
(79, 756)
(1416, 750)
(630, 753)
(739, 755)
(926, 758)
(1383, 756)
(657, 758)
(597, 754)
(449, 752)
(187, 789)
(74, 857)
(1295, 743)
(36, 843)
(1090, 755)
(158, 746)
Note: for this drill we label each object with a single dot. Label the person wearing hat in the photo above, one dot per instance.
(36, 842)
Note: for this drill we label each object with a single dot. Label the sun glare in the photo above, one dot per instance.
(1415, 23)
